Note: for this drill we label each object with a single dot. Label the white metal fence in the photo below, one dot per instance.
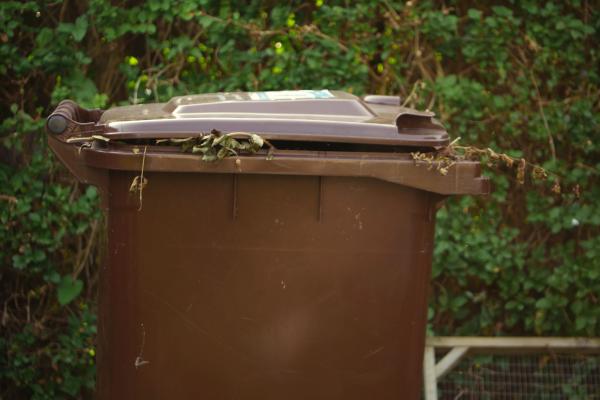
(541, 368)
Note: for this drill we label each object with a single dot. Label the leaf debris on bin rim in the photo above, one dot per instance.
(213, 146)
(216, 146)
(443, 159)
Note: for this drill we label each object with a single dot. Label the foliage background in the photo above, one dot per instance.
(519, 76)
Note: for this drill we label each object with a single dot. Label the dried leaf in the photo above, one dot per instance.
(135, 184)
(270, 154)
(556, 187)
(539, 173)
(209, 157)
(200, 149)
(216, 145)
(257, 140)
(509, 161)
(85, 145)
(493, 155)
(221, 139)
(222, 153)
(181, 140)
(521, 171)
(232, 144)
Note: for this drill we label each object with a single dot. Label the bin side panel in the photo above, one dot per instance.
(265, 287)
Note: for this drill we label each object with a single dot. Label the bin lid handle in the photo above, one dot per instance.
(69, 119)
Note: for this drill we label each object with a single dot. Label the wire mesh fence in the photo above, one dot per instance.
(545, 376)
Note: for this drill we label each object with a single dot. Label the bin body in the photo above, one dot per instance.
(264, 287)
(300, 277)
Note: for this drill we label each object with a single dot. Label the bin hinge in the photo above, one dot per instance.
(69, 119)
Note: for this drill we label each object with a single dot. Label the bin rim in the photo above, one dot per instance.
(464, 177)
(395, 130)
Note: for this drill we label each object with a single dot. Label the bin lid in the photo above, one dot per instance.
(311, 132)
(294, 115)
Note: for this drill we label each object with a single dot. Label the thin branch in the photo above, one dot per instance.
(543, 114)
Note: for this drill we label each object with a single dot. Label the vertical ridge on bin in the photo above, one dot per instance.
(234, 197)
(320, 206)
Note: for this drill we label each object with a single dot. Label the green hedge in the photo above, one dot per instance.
(521, 77)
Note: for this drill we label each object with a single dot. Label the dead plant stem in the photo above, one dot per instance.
(141, 183)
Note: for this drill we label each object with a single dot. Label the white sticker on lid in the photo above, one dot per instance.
(291, 95)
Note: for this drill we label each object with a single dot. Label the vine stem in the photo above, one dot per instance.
(141, 183)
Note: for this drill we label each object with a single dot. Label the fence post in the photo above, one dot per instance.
(430, 380)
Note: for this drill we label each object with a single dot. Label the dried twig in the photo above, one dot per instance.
(139, 182)
(443, 159)
(9, 198)
(543, 115)
(413, 93)
(88, 249)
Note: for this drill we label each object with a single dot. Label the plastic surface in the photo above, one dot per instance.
(69, 114)
(336, 117)
(379, 99)
(264, 287)
(301, 276)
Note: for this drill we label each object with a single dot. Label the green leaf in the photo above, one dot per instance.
(474, 14)
(544, 303)
(80, 28)
(68, 289)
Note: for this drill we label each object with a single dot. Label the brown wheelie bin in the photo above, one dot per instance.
(298, 271)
